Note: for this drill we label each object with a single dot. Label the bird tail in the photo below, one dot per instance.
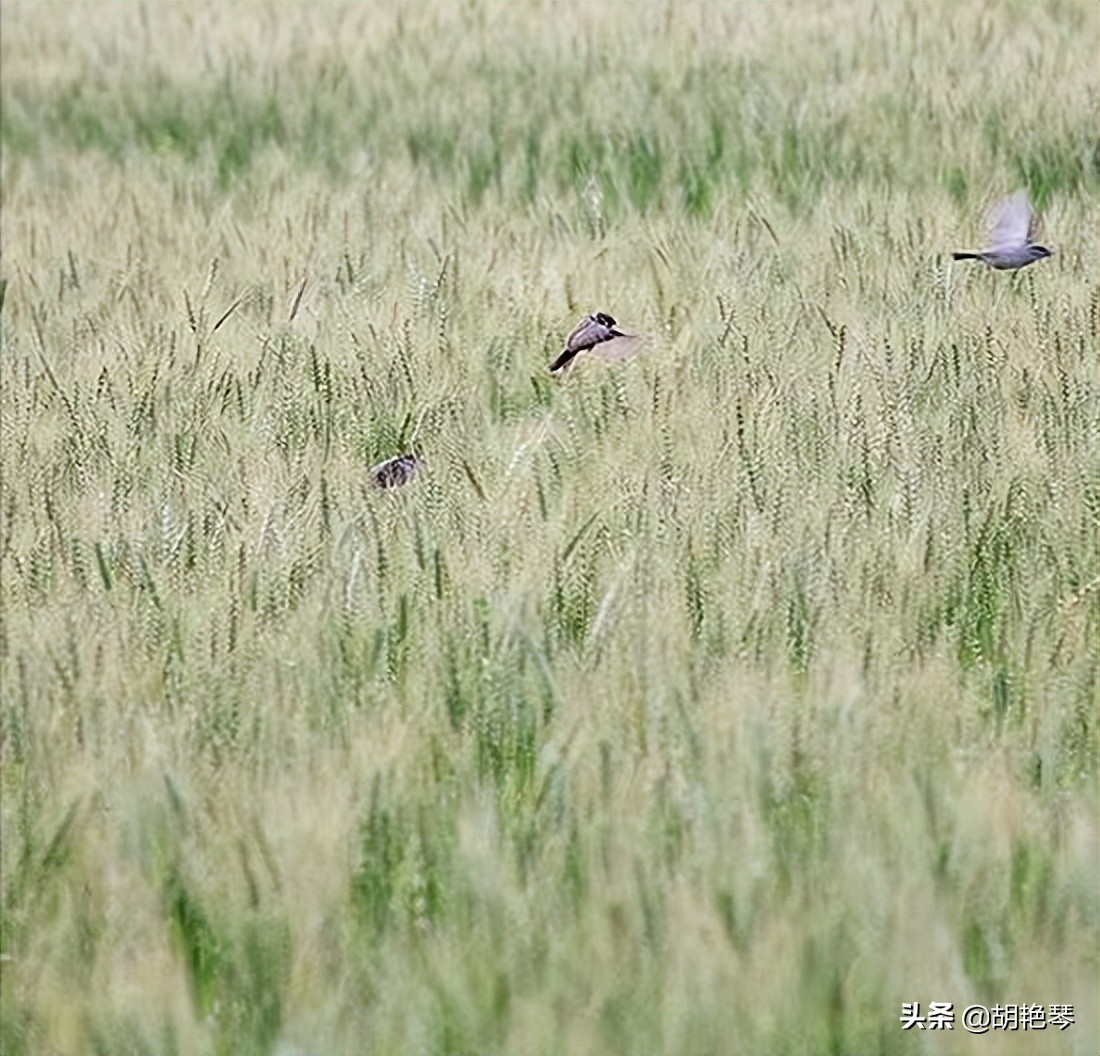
(562, 360)
(967, 256)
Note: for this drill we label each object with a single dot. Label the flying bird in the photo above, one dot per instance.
(395, 472)
(1011, 242)
(597, 334)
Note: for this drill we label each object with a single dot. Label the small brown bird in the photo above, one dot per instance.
(395, 472)
(1011, 241)
(596, 333)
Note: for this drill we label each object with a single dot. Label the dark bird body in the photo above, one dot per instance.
(395, 472)
(1011, 242)
(589, 332)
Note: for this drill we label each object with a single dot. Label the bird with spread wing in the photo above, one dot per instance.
(1011, 241)
(598, 335)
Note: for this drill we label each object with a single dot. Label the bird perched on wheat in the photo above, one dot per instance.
(598, 335)
(1011, 241)
(395, 472)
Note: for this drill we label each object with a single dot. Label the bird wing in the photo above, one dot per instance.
(618, 347)
(1033, 226)
(1013, 220)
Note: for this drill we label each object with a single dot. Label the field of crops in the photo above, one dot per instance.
(717, 701)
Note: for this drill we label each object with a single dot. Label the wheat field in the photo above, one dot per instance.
(719, 701)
